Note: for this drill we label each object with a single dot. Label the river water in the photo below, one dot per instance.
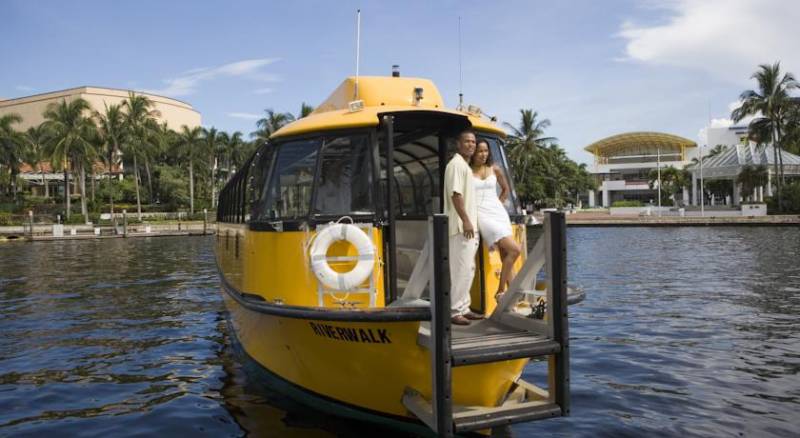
(684, 331)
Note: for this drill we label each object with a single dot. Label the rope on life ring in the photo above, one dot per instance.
(343, 281)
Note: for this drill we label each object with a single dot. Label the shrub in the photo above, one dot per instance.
(5, 219)
(791, 199)
(632, 203)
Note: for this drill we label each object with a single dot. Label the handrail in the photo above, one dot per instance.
(548, 253)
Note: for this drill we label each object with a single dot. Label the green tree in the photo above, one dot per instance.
(213, 145)
(526, 139)
(305, 110)
(36, 136)
(525, 149)
(234, 153)
(111, 127)
(139, 125)
(269, 124)
(752, 177)
(673, 180)
(544, 175)
(70, 143)
(12, 148)
(190, 141)
(770, 105)
(791, 139)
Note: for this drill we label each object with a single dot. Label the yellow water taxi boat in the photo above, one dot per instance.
(332, 255)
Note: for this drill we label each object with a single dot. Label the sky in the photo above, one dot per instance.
(593, 68)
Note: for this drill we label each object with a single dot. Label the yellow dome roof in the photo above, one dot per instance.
(628, 139)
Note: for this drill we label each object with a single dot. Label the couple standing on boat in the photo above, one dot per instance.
(472, 205)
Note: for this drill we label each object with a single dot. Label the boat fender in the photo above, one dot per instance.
(345, 281)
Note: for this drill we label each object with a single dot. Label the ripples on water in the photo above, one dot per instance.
(685, 331)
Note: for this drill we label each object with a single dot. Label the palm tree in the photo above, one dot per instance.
(305, 110)
(751, 177)
(12, 147)
(230, 151)
(235, 152)
(70, 142)
(189, 140)
(111, 126)
(139, 118)
(770, 104)
(527, 151)
(213, 143)
(791, 139)
(35, 137)
(270, 123)
(527, 138)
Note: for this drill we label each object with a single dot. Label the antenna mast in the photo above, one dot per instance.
(460, 75)
(358, 49)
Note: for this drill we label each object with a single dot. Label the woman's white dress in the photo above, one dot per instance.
(493, 220)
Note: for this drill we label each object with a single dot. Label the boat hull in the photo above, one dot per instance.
(363, 364)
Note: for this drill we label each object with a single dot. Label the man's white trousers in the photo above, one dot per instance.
(462, 271)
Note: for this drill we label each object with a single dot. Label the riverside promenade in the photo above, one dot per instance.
(83, 232)
(604, 219)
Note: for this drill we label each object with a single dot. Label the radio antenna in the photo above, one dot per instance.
(358, 49)
(460, 75)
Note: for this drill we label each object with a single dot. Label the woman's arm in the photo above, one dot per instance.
(501, 179)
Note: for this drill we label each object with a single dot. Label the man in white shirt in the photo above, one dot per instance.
(462, 214)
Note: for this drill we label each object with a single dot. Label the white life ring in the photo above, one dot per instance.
(344, 281)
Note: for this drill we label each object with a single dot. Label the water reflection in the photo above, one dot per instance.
(685, 331)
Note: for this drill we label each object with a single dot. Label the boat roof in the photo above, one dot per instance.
(380, 94)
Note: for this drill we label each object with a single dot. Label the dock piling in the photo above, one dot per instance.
(30, 223)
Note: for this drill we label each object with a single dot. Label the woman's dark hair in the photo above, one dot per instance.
(489, 160)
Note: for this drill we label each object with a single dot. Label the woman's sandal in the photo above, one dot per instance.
(499, 296)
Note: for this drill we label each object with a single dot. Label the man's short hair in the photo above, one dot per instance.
(467, 131)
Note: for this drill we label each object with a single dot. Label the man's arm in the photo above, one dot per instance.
(458, 204)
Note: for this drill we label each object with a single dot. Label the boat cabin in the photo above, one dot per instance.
(333, 166)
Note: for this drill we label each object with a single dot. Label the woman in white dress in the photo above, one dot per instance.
(493, 221)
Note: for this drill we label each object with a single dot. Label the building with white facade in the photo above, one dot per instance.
(622, 164)
(730, 151)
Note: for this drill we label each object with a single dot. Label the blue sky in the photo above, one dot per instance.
(594, 68)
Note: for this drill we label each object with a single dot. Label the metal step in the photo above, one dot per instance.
(488, 341)
(469, 351)
(525, 403)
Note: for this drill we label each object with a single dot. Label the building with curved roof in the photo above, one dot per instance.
(622, 164)
(174, 113)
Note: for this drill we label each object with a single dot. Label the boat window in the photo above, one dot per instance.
(233, 202)
(415, 176)
(261, 165)
(498, 155)
(345, 182)
(288, 191)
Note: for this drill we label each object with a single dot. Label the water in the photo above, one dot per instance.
(685, 331)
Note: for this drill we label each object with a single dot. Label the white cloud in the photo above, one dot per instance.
(188, 82)
(246, 116)
(725, 38)
(24, 88)
(263, 90)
